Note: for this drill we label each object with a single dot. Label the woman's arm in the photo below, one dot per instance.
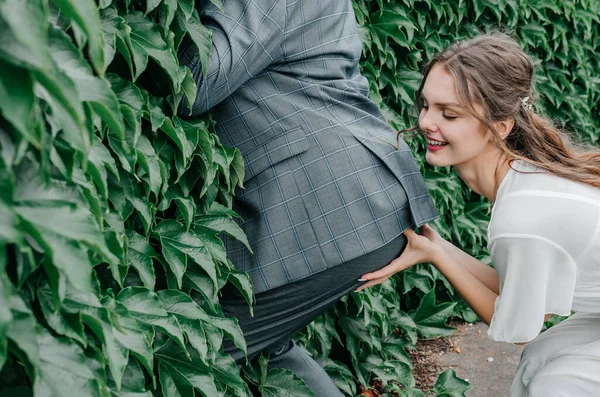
(475, 292)
(421, 249)
(482, 272)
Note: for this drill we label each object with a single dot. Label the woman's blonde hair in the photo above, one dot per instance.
(493, 70)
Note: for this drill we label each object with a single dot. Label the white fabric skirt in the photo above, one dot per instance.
(563, 361)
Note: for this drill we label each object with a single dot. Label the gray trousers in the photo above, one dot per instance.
(280, 313)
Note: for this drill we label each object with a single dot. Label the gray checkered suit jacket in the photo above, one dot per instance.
(324, 183)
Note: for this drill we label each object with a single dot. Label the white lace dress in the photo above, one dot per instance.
(544, 241)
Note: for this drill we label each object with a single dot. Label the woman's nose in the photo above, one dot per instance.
(427, 122)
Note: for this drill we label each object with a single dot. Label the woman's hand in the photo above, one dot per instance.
(419, 249)
(431, 234)
(434, 236)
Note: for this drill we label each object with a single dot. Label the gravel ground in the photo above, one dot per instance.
(489, 366)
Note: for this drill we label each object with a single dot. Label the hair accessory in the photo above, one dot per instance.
(526, 104)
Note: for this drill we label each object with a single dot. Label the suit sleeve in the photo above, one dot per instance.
(536, 277)
(247, 36)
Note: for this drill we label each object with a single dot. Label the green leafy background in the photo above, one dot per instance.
(111, 206)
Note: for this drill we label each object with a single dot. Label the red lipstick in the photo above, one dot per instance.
(435, 148)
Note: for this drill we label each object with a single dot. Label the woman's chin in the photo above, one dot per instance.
(432, 159)
(437, 161)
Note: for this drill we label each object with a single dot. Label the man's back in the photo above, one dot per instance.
(324, 183)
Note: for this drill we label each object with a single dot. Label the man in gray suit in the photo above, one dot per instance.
(327, 190)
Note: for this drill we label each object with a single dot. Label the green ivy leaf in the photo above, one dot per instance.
(169, 8)
(187, 6)
(244, 284)
(63, 370)
(134, 105)
(202, 39)
(146, 41)
(62, 229)
(97, 91)
(151, 5)
(188, 86)
(431, 318)
(179, 244)
(190, 317)
(227, 374)
(115, 353)
(133, 384)
(146, 307)
(448, 384)
(195, 278)
(117, 37)
(179, 376)
(197, 134)
(389, 23)
(86, 15)
(411, 279)
(231, 328)
(6, 316)
(137, 341)
(61, 94)
(340, 374)
(16, 84)
(388, 370)
(283, 383)
(24, 332)
(407, 324)
(62, 323)
(140, 257)
(220, 224)
(101, 160)
(179, 137)
(33, 15)
(187, 209)
(151, 164)
(217, 3)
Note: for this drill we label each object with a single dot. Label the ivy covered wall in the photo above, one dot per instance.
(111, 206)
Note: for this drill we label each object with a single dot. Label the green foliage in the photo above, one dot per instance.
(111, 206)
(449, 385)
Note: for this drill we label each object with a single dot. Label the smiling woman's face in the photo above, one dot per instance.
(454, 136)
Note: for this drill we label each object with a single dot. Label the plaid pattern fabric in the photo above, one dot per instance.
(324, 181)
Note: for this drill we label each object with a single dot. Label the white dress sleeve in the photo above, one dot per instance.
(536, 277)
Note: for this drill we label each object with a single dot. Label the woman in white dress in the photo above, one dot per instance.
(544, 236)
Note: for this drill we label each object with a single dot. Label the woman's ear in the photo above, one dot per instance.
(504, 127)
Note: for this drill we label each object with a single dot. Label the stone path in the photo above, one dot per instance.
(489, 366)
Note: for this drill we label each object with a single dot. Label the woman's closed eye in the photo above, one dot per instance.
(425, 107)
(448, 117)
